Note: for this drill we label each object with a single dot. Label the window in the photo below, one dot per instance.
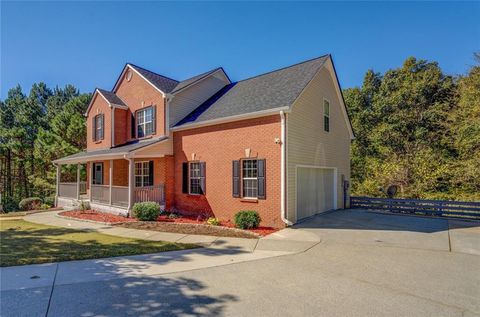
(250, 178)
(326, 115)
(97, 174)
(98, 121)
(144, 174)
(195, 178)
(145, 122)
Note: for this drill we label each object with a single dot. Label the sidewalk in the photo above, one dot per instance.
(217, 251)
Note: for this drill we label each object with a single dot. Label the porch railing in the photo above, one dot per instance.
(67, 190)
(154, 193)
(100, 194)
(83, 188)
(120, 196)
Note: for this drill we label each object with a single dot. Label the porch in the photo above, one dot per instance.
(114, 180)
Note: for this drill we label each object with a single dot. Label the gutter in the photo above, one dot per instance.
(283, 213)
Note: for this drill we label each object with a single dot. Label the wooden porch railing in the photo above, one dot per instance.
(150, 193)
(68, 190)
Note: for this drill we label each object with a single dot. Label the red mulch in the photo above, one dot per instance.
(263, 231)
(96, 216)
(110, 218)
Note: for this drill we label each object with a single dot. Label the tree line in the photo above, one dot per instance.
(35, 129)
(419, 129)
(415, 127)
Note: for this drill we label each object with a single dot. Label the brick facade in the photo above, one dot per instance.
(218, 146)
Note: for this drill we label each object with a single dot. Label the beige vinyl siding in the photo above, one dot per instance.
(307, 142)
(159, 149)
(187, 100)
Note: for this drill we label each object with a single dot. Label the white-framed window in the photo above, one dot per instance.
(145, 122)
(249, 178)
(97, 174)
(326, 115)
(194, 183)
(98, 127)
(143, 174)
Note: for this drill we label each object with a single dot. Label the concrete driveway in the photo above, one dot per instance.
(366, 264)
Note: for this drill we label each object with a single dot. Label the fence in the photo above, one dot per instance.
(440, 208)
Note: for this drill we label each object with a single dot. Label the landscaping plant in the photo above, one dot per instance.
(30, 203)
(247, 219)
(213, 221)
(146, 211)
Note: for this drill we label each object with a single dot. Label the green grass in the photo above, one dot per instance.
(24, 242)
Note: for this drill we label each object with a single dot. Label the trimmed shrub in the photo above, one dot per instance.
(213, 221)
(30, 203)
(50, 200)
(146, 211)
(247, 219)
(45, 206)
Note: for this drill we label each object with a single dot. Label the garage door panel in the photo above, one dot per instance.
(314, 191)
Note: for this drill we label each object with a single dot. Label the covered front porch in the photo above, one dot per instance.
(112, 180)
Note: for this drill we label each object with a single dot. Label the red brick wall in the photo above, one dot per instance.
(218, 146)
(121, 129)
(138, 93)
(99, 106)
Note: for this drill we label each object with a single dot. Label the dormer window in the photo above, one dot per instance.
(145, 122)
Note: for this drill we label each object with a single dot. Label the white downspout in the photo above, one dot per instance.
(282, 171)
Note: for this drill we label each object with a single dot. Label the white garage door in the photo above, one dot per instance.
(315, 191)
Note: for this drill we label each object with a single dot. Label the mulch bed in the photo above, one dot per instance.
(93, 215)
(180, 224)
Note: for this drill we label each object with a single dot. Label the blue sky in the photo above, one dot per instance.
(88, 43)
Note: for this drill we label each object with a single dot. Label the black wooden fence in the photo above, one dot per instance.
(440, 208)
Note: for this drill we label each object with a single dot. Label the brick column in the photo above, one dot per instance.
(169, 182)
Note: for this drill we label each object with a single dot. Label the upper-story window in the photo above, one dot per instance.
(98, 127)
(145, 122)
(326, 115)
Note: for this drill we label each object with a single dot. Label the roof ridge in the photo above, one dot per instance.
(131, 64)
(285, 67)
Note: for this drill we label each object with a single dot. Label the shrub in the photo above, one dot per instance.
(84, 205)
(247, 219)
(173, 215)
(146, 211)
(30, 203)
(213, 221)
(45, 206)
(50, 200)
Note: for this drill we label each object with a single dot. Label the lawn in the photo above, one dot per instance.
(24, 242)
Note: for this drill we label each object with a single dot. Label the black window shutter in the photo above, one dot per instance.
(150, 173)
(132, 135)
(185, 178)
(94, 128)
(261, 179)
(154, 119)
(102, 120)
(202, 177)
(236, 178)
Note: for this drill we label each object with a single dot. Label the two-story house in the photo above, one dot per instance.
(277, 143)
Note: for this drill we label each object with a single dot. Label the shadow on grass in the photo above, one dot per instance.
(29, 244)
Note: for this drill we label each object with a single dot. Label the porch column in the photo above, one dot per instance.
(90, 182)
(131, 185)
(57, 189)
(78, 181)
(110, 171)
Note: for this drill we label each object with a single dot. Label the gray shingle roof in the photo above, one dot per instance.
(122, 149)
(188, 82)
(272, 90)
(163, 83)
(111, 97)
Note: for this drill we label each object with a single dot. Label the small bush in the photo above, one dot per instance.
(84, 205)
(30, 203)
(45, 206)
(247, 219)
(50, 200)
(146, 211)
(213, 221)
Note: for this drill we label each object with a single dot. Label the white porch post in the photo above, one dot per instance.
(131, 185)
(90, 182)
(110, 171)
(78, 181)
(57, 189)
